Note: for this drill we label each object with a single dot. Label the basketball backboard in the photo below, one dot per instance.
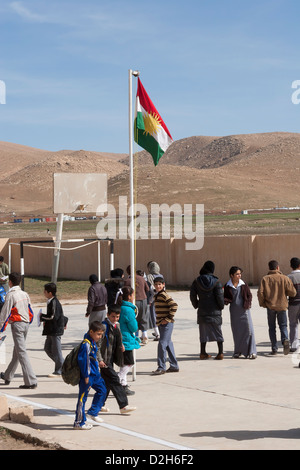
(78, 192)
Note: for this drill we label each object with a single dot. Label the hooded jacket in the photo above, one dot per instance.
(154, 270)
(128, 326)
(206, 294)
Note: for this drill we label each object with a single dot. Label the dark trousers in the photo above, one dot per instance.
(112, 383)
(52, 348)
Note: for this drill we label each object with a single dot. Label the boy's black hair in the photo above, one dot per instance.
(93, 278)
(115, 273)
(15, 278)
(97, 326)
(273, 264)
(114, 308)
(50, 287)
(295, 263)
(159, 279)
(1, 258)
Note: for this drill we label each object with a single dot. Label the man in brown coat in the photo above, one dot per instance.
(272, 294)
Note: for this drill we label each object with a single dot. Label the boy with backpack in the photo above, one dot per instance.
(110, 352)
(90, 377)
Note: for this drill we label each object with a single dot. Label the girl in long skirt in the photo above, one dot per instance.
(238, 295)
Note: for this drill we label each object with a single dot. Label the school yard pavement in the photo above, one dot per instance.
(234, 404)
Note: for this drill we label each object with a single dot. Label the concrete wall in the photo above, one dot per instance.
(4, 248)
(279, 247)
(178, 265)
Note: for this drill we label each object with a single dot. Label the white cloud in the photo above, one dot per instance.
(25, 13)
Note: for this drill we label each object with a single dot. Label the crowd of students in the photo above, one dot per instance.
(116, 313)
(278, 293)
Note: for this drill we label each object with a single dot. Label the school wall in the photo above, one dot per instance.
(4, 242)
(179, 266)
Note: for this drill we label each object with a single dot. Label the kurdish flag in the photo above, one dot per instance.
(150, 131)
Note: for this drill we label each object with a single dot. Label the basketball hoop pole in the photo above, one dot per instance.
(59, 228)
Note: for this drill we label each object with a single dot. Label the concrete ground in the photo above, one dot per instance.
(234, 404)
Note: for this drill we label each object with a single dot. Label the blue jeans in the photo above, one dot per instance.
(282, 323)
(165, 345)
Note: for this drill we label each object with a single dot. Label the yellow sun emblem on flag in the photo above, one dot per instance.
(152, 123)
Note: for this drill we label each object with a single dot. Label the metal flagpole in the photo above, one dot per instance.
(134, 73)
(132, 226)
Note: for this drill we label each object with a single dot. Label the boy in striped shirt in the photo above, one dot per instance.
(165, 308)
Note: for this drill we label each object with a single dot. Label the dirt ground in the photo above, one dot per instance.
(8, 442)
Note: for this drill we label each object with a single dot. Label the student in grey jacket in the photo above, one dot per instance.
(97, 300)
(17, 311)
(294, 304)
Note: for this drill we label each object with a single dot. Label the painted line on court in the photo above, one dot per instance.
(104, 425)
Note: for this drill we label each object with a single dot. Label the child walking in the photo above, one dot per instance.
(165, 308)
(110, 352)
(90, 377)
(128, 327)
(54, 326)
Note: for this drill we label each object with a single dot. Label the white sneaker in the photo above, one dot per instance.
(95, 418)
(127, 409)
(104, 409)
(84, 427)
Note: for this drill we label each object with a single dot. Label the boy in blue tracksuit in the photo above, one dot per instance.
(90, 377)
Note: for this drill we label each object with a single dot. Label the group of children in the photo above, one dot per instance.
(105, 344)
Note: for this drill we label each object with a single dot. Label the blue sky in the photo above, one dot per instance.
(217, 67)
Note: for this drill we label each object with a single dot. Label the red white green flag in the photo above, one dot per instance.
(150, 131)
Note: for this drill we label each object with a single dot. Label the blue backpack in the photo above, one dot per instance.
(2, 297)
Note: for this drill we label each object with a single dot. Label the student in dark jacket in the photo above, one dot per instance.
(207, 296)
(54, 325)
(110, 352)
(114, 285)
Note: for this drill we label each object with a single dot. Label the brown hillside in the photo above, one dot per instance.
(212, 152)
(231, 173)
(27, 185)
(224, 173)
(220, 189)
